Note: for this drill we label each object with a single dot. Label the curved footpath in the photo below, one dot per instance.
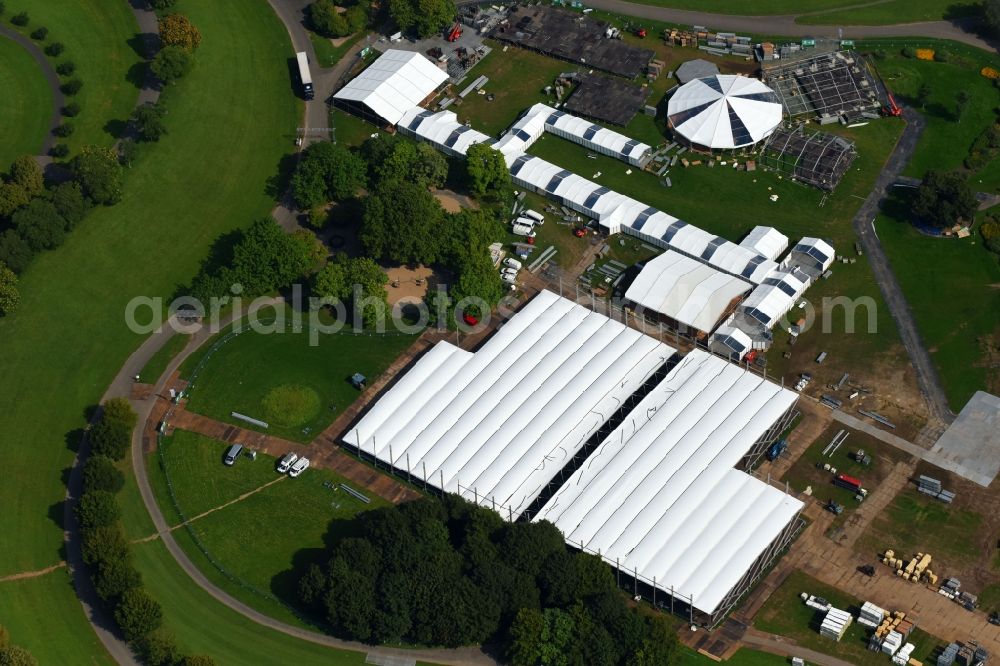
(93, 607)
(122, 386)
(52, 78)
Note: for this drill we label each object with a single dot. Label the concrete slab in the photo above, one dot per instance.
(970, 447)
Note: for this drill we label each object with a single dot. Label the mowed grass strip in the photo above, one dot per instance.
(254, 372)
(26, 104)
(159, 361)
(99, 36)
(39, 615)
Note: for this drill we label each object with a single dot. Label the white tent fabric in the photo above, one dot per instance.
(775, 296)
(501, 422)
(813, 252)
(766, 241)
(660, 495)
(724, 111)
(440, 129)
(395, 83)
(688, 291)
(728, 339)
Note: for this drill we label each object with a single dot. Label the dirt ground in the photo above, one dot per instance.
(452, 201)
(408, 284)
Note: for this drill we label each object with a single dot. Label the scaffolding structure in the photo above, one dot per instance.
(819, 159)
(826, 85)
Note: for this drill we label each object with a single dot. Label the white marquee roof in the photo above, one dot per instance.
(441, 129)
(686, 290)
(735, 340)
(504, 420)
(817, 249)
(724, 111)
(661, 494)
(395, 83)
(775, 296)
(766, 241)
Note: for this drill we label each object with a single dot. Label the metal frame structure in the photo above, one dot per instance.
(826, 84)
(819, 159)
(761, 445)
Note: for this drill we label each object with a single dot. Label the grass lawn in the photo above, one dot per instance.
(158, 362)
(281, 379)
(953, 289)
(349, 130)
(257, 539)
(99, 38)
(26, 104)
(785, 614)
(63, 635)
(743, 657)
(68, 339)
(327, 53)
(895, 11)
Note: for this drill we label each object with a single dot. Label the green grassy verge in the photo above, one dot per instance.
(785, 614)
(843, 12)
(743, 657)
(62, 635)
(26, 105)
(101, 38)
(328, 54)
(158, 362)
(253, 372)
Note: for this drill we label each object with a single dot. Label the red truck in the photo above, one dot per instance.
(850, 483)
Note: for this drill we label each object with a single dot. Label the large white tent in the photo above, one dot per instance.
(775, 296)
(441, 129)
(766, 241)
(661, 495)
(497, 425)
(693, 294)
(724, 111)
(392, 85)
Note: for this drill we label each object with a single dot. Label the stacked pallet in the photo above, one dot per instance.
(835, 624)
(871, 615)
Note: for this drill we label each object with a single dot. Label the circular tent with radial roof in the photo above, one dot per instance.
(724, 112)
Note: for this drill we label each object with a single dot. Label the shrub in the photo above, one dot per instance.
(138, 614)
(64, 130)
(39, 34)
(158, 648)
(941, 55)
(162, 4)
(100, 175)
(113, 577)
(71, 87)
(55, 49)
(171, 63)
(59, 150)
(71, 110)
(104, 544)
(907, 52)
(21, 19)
(198, 660)
(101, 473)
(177, 30)
(10, 297)
(66, 68)
(15, 655)
(25, 172)
(97, 508)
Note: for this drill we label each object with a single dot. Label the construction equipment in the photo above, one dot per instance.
(455, 32)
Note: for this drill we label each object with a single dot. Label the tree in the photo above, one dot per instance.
(101, 473)
(40, 225)
(327, 171)
(339, 278)
(312, 586)
(943, 198)
(71, 110)
(59, 150)
(147, 119)
(66, 68)
(111, 436)
(55, 49)
(418, 163)
(541, 638)
(40, 33)
(104, 544)
(112, 577)
(14, 252)
(71, 87)
(326, 20)
(21, 19)
(9, 296)
(97, 508)
(991, 16)
(487, 173)
(64, 130)
(400, 223)
(177, 30)
(16, 655)
(267, 259)
(12, 197)
(158, 648)
(69, 201)
(171, 64)
(431, 167)
(162, 4)
(424, 17)
(923, 94)
(138, 613)
(26, 173)
(99, 174)
(197, 660)
(357, 18)
(961, 103)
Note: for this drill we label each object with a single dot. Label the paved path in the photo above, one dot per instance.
(960, 30)
(879, 434)
(52, 79)
(786, 647)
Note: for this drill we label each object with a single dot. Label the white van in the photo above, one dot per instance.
(527, 221)
(523, 230)
(232, 454)
(509, 278)
(286, 462)
(301, 465)
(534, 215)
(512, 263)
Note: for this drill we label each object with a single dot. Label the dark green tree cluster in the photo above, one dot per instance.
(344, 279)
(990, 231)
(147, 121)
(326, 19)
(488, 176)
(180, 39)
(422, 17)
(262, 260)
(943, 198)
(111, 436)
(325, 172)
(33, 217)
(448, 572)
(10, 654)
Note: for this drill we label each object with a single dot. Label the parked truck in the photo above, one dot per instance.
(850, 483)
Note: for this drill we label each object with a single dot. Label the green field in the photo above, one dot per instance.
(26, 103)
(245, 374)
(68, 338)
(953, 289)
(833, 11)
(328, 54)
(743, 657)
(159, 361)
(786, 615)
(97, 35)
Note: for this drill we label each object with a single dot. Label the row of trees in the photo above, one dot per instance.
(179, 39)
(448, 572)
(106, 550)
(10, 654)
